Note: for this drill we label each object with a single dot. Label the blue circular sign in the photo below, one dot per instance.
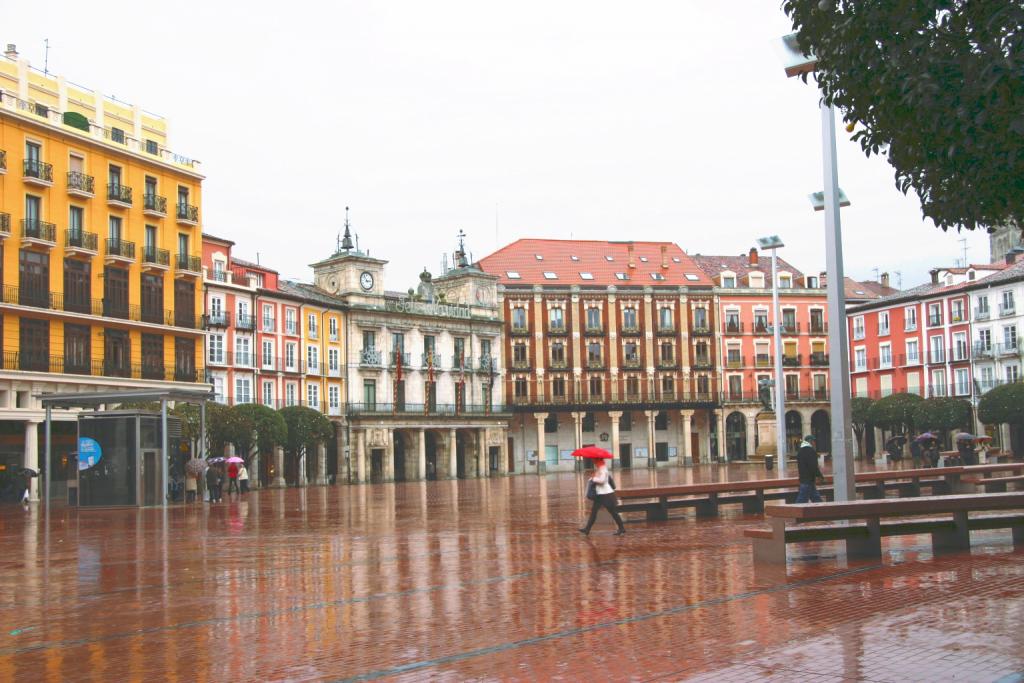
(89, 452)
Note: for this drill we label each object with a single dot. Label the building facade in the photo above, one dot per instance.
(607, 343)
(100, 256)
(743, 297)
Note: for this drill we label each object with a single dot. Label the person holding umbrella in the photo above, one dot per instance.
(600, 489)
(233, 475)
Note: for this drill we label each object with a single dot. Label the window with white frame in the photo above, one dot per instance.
(860, 359)
(885, 355)
(728, 280)
(313, 395)
(216, 348)
(268, 394)
(289, 321)
(984, 340)
(1012, 374)
(243, 312)
(934, 315)
(218, 389)
(332, 328)
(217, 309)
(883, 322)
(289, 394)
(982, 309)
(987, 378)
(1006, 306)
(268, 318)
(311, 326)
(289, 355)
(333, 397)
(785, 281)
(936, 350)
(1010, 338)
(962, 381)
(960, 346)
(756, 280)
(939, 383)
(858, 327)
(268, 354)
(243, 390)
(910, 318)
(243, 351)
(957, 311)
(913, 352)
(312, 358)
(333, 356)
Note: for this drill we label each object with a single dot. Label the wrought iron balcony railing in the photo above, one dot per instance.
(40, 170)
(188, 213)
(33, 228)
(155, 256)
(119, 193)
(154, 203)
(81, 240)
(81, 183)
(119, 247)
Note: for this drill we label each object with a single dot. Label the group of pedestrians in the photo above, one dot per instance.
(236, 474)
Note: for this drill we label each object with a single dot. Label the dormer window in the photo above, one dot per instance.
(756, 280)
(643, 259)
(729, 281)
(586, 276)
(513, 275)
(691, 277)
(657, 276)
(548, 275)
(621, 276)
(812, 282)
(609, 258)
(785, 281)
(676, 259)
(539, 257)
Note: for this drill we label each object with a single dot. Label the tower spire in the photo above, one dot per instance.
(345, 244)
(460, 256)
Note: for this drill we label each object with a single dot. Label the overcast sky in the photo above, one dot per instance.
(607, 120)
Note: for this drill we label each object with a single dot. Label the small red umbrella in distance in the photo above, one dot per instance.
(592, 452)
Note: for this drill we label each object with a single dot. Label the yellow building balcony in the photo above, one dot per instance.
(119, 195)
(81, 244)
(5, 224)
(154, 205)
(36, 172)
(188, 214)
(155, 260)
(188, 266)
(81, 185)
(119, 251)
(37, 233)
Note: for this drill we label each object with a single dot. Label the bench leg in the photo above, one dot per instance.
(866, 548)
(954, 485)
(995, 487)
(875, 492)
(772, 550)
(657, 512)
(755, 506)
(708, 508)
(955, 540)
(911, 490)
(1018, 535)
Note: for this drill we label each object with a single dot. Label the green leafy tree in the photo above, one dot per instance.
(306, 429)
(935, 85)
(222, 428)
(894, 412)
(859, 409)
(269, 428)
(1003, 405)
(942, 414)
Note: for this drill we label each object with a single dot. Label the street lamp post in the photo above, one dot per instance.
(773, 244)
(796, 63)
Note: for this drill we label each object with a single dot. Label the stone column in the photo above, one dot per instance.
(614, 415)
(453, 465)
(503, 467)
(651, 460)
(879, 443)
(540, 417)
(686, 416)
(360, 456)
(254, 470)
(577, 438)
(483, 462)
(751, 435)
(30, 458)
(389, 457)
(278, 480)
(321, 464)
(421, 446)
(300, 479)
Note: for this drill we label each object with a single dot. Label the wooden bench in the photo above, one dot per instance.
(752, 494)
(949, 523)
(994, 484)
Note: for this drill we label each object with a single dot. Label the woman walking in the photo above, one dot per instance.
(243, 477)
(604, 496)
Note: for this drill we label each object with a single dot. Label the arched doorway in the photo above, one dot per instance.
(431, 448)
(794, 431)
(736, 436)
(399, 456)
(821, 428)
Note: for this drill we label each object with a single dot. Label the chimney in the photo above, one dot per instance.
(935, 276)
(632, 259)
(885, 280)
(1011, 256)
(12, 51)
(823, 279)
(753, 256)
(664, 256)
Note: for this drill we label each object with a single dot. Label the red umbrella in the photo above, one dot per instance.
(592, 452)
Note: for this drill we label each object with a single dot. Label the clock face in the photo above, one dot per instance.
(366, 281)
(332, 284)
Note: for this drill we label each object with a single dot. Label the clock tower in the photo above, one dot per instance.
(348, 270)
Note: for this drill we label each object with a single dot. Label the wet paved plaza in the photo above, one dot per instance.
(484, 580)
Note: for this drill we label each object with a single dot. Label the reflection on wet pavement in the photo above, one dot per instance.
(484, 579)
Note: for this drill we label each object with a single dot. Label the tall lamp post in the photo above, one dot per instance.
(796, 62)
(773, 244)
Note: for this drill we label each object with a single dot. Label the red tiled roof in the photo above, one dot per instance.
(714, 265)
(865, 290)
(568, 258)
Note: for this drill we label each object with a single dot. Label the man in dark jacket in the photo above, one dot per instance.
(810, 473)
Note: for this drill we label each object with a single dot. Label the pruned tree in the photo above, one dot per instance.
(894, 412)
(1003, 404)
(935, 85)
(942, 414)
(859, 410)
(306, 429)
(269, 428)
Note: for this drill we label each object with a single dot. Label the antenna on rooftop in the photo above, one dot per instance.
(875, 271)
(899, 280)
(963, 247)
(46, 57)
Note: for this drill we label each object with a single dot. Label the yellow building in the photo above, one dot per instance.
(100, 260)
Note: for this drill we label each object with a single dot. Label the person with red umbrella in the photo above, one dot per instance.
(601, 488)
